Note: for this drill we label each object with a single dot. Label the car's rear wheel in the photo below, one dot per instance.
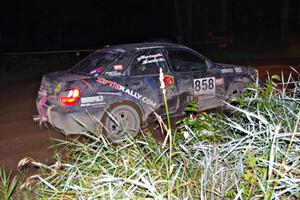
(120, 121)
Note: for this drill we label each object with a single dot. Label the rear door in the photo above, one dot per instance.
(144, 78)
(196, 79)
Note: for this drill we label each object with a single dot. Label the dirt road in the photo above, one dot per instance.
(21, 137)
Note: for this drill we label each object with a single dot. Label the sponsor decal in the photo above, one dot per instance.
(91, 101)
(91, 104)
(152, 47)
(57, 89)
(238, 69)
(111, 84)
(189, 98)
(97, 71)
(115, 51)
(125, 90)
(114, 73)
(118, 67)
(88, 84)
(110, 93)
(151, 58)
(230, 70)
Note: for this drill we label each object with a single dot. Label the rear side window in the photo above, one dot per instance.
(147, 62)
(182, 60)
(95, 63)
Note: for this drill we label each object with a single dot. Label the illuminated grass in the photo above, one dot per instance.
(7, 185)
(256, 156)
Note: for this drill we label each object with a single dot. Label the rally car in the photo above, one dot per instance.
(118, 87)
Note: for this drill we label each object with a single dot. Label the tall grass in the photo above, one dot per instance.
(7, 185)
(256, 156)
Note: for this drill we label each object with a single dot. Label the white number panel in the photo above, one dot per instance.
(204, 86)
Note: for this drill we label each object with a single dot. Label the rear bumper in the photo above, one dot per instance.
(72, 122)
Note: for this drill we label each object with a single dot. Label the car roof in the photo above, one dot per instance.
(143, 46)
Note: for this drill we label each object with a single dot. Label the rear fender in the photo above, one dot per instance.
(137, 107)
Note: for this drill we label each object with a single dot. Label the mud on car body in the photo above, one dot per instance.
(119, 86)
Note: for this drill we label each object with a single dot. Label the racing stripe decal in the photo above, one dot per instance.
(151, 85)
(89, 85)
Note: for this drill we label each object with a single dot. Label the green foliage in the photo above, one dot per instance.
(256, 157)
(192, 107)
(249, 183)
(7, 185)
(133, 169)
(269, 112)
(203, 126)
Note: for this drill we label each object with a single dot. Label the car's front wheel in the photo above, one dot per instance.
(120, 121)
(237, 88)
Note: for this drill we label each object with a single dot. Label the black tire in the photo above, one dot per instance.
(237, 88)
(120, 121)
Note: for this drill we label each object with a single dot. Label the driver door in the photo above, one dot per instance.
(144, 78)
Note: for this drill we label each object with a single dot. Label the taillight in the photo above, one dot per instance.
(168, 80)
(70, 97)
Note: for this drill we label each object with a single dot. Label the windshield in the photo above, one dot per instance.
(95, 63)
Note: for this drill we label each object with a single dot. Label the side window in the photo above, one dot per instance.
(147, 62)
(182, 60)
(96, 63)
(117, 68)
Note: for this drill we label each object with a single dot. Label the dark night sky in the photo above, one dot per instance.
(32, 25)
